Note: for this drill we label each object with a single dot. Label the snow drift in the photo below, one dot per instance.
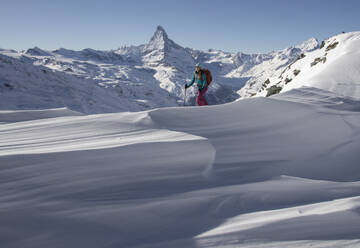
(262, 172)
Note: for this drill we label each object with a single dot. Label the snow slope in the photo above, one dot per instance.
(333, 67)
(262, 172)
(26, 86)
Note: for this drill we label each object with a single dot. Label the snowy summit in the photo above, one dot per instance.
(160, 41)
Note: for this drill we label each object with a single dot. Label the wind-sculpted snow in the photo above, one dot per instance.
(274, 136)
(262, 172)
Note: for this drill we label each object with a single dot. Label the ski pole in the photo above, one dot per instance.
(185, 98)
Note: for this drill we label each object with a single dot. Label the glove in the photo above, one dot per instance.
(186, 86)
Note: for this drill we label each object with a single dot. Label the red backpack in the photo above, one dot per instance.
(208, 76)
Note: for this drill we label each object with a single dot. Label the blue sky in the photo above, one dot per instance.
(230, 25)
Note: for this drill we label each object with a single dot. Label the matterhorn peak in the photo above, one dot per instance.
(159, 35)
(160, 40)
(162, 50)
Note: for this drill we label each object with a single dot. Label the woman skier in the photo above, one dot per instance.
(201, 83)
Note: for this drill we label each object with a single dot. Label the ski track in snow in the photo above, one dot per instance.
(262, 172)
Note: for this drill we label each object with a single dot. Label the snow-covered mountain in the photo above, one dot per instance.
(163, 51)
(335, 66)
(26, 86)
(140, 77)
(262, 67)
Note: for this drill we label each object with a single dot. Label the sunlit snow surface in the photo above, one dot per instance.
(262, 172)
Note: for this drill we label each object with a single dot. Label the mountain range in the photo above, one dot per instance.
(135, 78)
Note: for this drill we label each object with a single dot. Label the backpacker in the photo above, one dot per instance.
(208, 76)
